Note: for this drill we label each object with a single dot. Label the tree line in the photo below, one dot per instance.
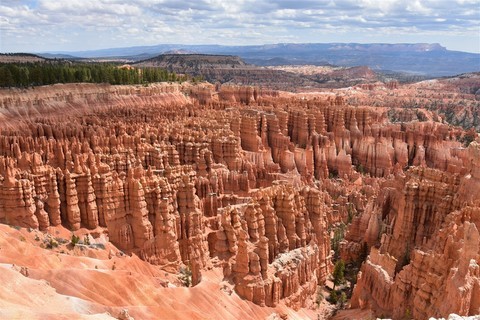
(42, 73)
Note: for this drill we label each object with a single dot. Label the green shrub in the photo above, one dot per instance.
(75, 240)
(333, 297)
(343, 299)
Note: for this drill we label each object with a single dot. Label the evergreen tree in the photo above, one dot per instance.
(338, 273)
(44, 73)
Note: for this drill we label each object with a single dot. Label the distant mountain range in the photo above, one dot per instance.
(420, 58)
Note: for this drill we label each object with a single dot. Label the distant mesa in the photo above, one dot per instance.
(184, 62)
(212, 68)
(427, 59)
(234, 70)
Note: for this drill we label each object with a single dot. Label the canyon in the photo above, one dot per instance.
(222, 201)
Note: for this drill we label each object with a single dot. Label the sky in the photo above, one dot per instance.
(75, 25)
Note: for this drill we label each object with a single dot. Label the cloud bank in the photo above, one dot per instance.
(48, 25)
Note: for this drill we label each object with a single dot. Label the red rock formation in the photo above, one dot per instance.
(251, 181)
(424, 219)
(17, 206)
(275, 247)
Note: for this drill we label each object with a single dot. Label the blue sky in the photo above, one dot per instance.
(73, 25)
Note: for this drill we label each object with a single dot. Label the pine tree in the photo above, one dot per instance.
(338, 273)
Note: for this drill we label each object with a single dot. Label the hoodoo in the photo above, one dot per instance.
(246, 200)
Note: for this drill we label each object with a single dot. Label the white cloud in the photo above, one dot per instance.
(92, 23)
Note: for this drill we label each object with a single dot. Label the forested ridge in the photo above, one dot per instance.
(45, 73)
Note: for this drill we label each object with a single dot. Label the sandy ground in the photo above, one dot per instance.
(84, 282)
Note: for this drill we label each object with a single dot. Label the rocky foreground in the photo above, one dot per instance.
(235, 191)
